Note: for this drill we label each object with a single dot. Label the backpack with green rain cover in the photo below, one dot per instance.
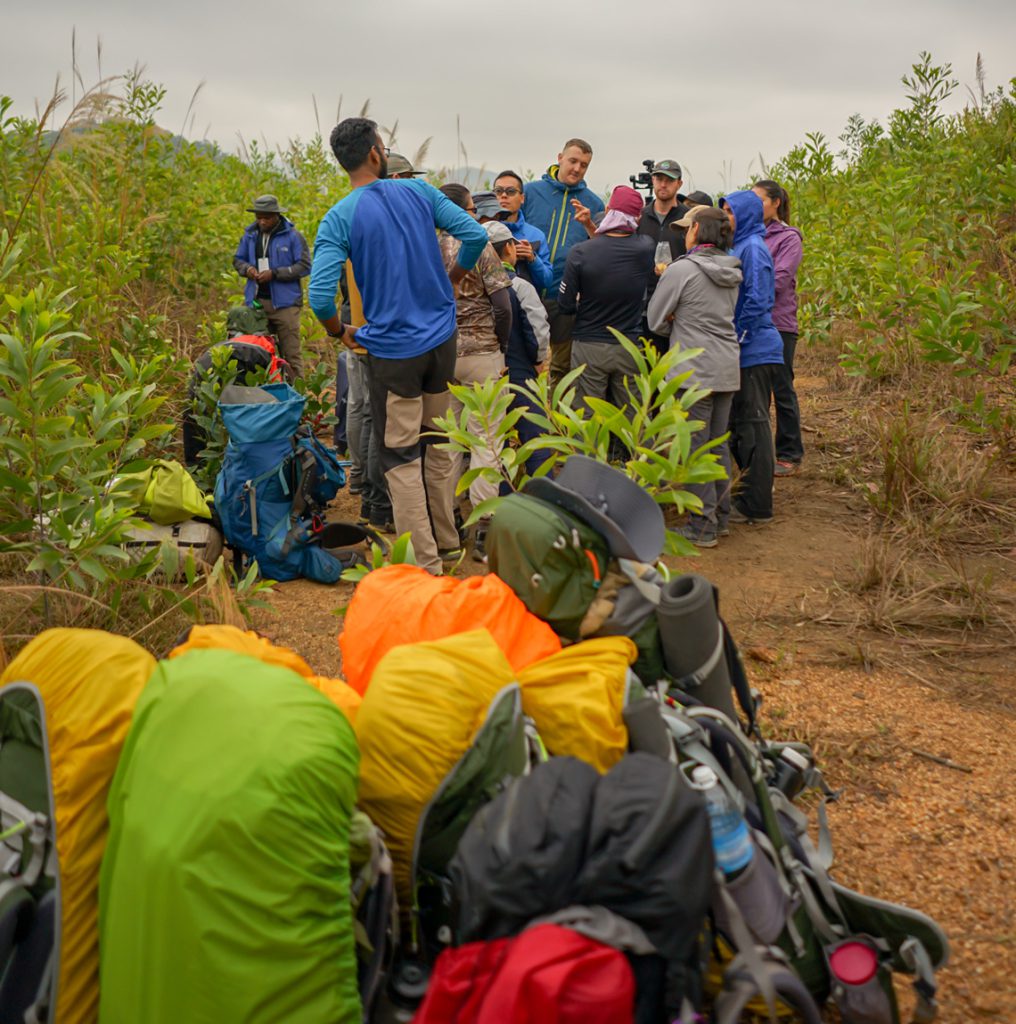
(225, 887)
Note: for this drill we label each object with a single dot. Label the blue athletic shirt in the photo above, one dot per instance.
(387, 230)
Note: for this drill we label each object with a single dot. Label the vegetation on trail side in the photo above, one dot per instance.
(116, 239)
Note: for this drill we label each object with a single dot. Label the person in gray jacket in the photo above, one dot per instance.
(694, 301)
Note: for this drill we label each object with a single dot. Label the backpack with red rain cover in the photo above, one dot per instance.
(546, 975)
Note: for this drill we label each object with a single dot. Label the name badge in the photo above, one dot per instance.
(263, 265)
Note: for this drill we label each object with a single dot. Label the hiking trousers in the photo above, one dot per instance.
(608, 367)
(363, 444)
(751, 442)
(714, 412)
(285, 325)
(561, 325)
(789, 443)
(406, 396)
(469, 370)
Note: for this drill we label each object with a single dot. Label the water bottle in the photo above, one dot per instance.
(732, 843)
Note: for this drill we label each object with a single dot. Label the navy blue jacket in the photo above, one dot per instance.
(761, 343)
(288, 258)
(523, 348)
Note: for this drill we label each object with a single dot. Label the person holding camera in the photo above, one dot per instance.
(657, 216)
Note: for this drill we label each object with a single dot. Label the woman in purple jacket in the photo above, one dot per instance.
(784, 244)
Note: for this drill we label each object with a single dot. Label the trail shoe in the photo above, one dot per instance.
(451, 555)
(786, 468)
(700, 536)
(381, 519)
(365, 510)
(743, 519)
(480, 541)
(722, 528)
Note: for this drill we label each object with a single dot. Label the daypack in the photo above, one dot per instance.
(634, 841)
(561, 569)
(430, 608)
(547, 975)
(225, 886)
(784, 914)
(65, 706)
(276, 478)
(249, 350)
(441, 732)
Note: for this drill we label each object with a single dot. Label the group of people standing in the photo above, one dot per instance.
(448, 286)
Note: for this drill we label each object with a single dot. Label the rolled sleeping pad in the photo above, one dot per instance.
(692, 639)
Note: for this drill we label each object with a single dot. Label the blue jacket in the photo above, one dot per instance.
(548, 207)
(288, 258)
(387, 230)
(523, 349)
(539, 272)
(761, 343)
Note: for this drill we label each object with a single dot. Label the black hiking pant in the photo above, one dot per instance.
(751, 442)
(789, 444)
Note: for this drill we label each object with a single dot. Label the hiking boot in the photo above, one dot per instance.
(701, 537)
(381, 519)
(743, 519)
(722, 529)
(480, 542)
(364, 517)
(451, 555)
(784, 467)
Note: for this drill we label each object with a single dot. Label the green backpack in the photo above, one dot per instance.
(552, 560)
(557, 564)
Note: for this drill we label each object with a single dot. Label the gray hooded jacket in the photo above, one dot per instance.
(700, 290)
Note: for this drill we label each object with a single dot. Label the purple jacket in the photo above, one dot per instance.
(784, 244)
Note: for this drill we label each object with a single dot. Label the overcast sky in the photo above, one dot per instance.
(711, 86)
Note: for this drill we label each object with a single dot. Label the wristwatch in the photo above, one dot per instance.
(342, 331)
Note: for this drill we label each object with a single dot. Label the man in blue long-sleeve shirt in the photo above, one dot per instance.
(386, 230)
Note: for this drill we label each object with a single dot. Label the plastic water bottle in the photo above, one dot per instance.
(732, 843)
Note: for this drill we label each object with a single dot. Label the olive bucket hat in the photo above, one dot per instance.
(265, 204)
(608, 501)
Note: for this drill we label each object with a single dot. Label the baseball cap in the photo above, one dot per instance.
(487, 205)
(398, 164)
(688, 219)
(497, 232)
(697, 198)
(671, 168)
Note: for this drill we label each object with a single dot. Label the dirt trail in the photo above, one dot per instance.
(906, 828)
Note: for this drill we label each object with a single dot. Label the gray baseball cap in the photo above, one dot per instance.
(398, 164)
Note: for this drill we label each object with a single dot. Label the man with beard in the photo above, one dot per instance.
(273, 256)
(654, 224)
(387, 231)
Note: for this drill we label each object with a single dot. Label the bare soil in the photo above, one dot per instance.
(879, 706)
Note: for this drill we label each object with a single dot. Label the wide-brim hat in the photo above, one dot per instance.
(266, 204)
(398, 164)
(608, 501)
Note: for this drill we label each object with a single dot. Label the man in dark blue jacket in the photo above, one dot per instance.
(273, 256)
(751, 439)
(562, 206)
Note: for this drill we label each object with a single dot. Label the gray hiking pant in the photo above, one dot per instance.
(714, 412)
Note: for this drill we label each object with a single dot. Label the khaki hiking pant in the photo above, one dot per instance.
(285, 325)
(406, 396)
(476, 370)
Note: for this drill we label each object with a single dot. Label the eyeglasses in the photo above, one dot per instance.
(383, 149)
(470, 209)
(507, 191)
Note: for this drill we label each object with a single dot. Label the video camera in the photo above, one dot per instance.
(644, 179)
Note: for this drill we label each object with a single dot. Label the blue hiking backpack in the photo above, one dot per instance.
(276, 478)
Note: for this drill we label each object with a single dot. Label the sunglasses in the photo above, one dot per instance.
(507, 191)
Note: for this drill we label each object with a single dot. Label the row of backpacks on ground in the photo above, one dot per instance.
(530, 799)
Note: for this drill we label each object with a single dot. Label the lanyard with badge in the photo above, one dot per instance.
(263, 260)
